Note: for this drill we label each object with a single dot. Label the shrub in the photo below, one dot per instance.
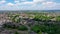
(22, 27)
(16, 32)
(58, 18)
(36, 28)
(42, 18)
(9, 25)
(12, 26)
(40, 32)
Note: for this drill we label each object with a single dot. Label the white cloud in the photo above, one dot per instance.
(33, 5)
(23, 0)
(39, 0)
(23, 3)
(8, 7)
(16, 1)
(32, 2)
(2, 2)
(48, 4)
(51, 5)
(10, 4)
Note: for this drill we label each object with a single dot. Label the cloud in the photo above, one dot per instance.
(23, 0)
(39, 0)
(49, 4)
(10, 4)
(16, 1)
(2, 2)
(33, 5)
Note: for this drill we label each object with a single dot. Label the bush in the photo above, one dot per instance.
(16, 32)
(40, 32)
(12, 26)
(58, 18)
(42, 18)
(9, 25)
(22, 27)
(15, 18)
(50, 28)
(36, 28)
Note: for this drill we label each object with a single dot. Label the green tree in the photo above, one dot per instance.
(40, 32)
(58, 18)
(42, 17)
(16, 32)
(15, 18)
(36, 28)
(22, 27)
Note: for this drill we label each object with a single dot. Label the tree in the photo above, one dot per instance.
(22, 27)
(15, 18)
(42, 17)
(58, 18)
(36, 28)
(40, 32)
(16, 32)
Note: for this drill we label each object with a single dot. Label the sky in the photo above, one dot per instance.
(29, 4)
